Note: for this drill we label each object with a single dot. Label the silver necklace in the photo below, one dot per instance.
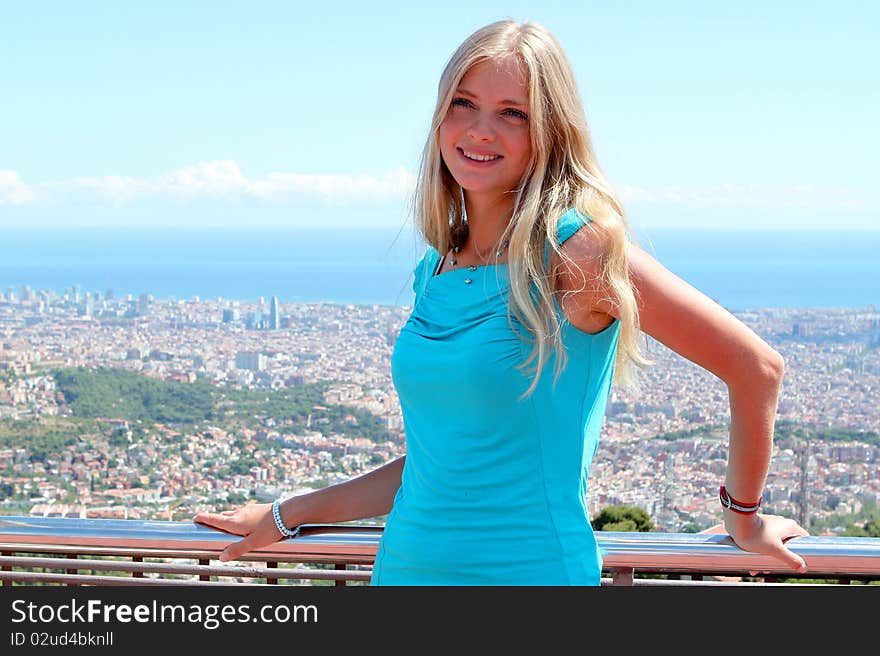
(464, 236)
(498, 253)
(473, 267)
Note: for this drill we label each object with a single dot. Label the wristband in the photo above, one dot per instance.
(276, 515)
(737, 506)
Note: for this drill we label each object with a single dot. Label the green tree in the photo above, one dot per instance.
(870, 529)
(623, 518)
(118, 393)
(236, 498)
(242, 466)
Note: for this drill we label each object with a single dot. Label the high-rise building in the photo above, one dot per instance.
(250, 360)
(274, 318)
(87, 307)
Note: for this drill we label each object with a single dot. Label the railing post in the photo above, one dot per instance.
(622, 576)
(137, 559)
(272, 565)
(71, 570)
(7, 568)
(204, 577)
(338, 567)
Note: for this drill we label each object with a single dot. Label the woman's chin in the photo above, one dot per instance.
(480, 186)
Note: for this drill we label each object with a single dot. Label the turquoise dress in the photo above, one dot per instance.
(493, 491)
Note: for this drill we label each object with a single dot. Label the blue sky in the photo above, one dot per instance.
(213, 114)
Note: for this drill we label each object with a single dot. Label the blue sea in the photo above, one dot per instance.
(739, 269)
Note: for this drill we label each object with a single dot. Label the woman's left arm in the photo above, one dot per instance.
(694, 326)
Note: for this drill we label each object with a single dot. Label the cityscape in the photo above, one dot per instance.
(663, 447)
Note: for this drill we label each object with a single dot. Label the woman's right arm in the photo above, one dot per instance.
(368, 495)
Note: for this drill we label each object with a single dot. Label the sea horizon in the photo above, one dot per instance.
(740, 269)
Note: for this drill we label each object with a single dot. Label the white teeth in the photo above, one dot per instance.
(480, 158)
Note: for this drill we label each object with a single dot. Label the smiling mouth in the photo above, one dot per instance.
(473, 157)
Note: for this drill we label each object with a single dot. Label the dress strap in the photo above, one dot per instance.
(436, 269)
(569, 223)
(424, 270)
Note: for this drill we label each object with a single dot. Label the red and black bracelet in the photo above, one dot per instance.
(738, 506)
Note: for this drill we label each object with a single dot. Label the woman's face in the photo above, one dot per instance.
(484, 138)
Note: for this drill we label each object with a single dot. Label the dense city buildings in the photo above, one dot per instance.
(663, 448)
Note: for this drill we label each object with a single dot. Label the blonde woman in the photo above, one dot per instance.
(529, 303)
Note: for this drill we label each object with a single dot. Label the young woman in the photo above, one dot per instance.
(530, 263)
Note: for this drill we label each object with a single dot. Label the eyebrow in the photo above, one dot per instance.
(503, 102)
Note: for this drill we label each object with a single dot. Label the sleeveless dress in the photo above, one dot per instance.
(493, 490)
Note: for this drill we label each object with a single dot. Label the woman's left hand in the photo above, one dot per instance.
(766, 534)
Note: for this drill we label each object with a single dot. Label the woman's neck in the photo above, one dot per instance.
(487, 220)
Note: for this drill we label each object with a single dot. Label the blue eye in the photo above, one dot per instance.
(513, 113)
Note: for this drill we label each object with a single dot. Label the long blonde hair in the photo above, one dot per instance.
(562, 174)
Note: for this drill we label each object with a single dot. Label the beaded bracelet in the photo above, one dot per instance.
(276, 515)
(737, 506)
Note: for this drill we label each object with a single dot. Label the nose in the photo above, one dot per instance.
(480, 128)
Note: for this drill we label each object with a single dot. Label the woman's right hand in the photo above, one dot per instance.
(254, 521)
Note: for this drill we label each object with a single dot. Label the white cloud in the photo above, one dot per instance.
(756, 196)
(206, 179)
(224, 179)
(116, 189)
(12, 190)
(393, 184)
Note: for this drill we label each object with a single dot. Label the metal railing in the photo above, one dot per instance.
(58, 550)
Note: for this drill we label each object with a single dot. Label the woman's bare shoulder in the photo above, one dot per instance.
(580, 282)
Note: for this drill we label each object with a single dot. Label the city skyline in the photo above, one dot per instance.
(674, 429)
